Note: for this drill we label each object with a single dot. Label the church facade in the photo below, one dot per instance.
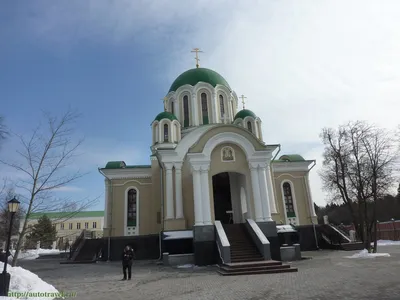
(209, 163)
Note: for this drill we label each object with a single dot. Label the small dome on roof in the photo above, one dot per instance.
(292, 158)
(245, 113)
(165, 115)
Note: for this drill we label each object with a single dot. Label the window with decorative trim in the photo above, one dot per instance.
(204, 108)
(86, 225)
(221, 106)
(78, 225)
(185, 111)
(288, 197)
(166, 133)
(131, 208)
(172, 107)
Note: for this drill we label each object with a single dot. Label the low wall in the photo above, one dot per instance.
(146, 247)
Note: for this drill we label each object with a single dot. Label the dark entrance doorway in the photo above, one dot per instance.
(222, 198)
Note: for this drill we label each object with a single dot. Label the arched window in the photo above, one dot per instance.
(172, 107)
(233, 108)
(221, 105)
(165, 132)
(288, 197)
(131, 209)
(249, 126)
(185, 111)
(204, 108)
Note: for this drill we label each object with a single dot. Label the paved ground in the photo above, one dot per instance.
(328, 275)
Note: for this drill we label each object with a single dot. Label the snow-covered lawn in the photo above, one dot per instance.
(27, 285)
(33, 254)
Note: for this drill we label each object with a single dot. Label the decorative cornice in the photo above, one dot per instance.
(128, 173)
(281, 167)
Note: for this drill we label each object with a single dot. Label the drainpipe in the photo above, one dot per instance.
(279, 150)
(162, 201)
(109, 214)
(309, 196)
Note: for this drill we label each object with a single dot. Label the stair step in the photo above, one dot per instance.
(254, 272)
(273, 267)
(247, 259)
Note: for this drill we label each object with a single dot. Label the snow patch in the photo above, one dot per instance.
(33, 254)
(387, 243)
(187, 266)
(24, 281)
(364, 254)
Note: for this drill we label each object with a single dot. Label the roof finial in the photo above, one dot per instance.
(165, 103)
(243, 97)
(197, 50)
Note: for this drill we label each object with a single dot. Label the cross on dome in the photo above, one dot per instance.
(197, 50)
(243, 97)
(165, 103)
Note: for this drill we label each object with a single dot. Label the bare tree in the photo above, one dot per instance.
(44, 167)
(3, 130)
(359, 161)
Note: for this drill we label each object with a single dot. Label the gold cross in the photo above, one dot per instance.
(197, 50)
(243, 97)
(165, 103)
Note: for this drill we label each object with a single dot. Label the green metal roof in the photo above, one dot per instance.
(291, 158)
(122, 165)
(245, 113)
(115, 165)
(165, 115)
(65, 215)
(194, 76)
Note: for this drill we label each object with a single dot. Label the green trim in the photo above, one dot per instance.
(194, 76)
(245, 113)
(205, 120)
(67, 215)
(122, 165)
(131, 223)
(165, 115)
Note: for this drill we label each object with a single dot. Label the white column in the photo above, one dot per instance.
(178, 190)
(106, 205)
(215, 105)
(270, 187)
(205, 190)
(230, 110)
(198, 209)
(195, 110)
(169, 192)
(265, 202)
(256, 193)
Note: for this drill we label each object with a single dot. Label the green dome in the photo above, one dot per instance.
(193, 76)
(245, 113)
(165, 115)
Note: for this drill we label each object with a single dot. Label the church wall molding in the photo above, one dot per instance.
(291, 166)
(128, 173)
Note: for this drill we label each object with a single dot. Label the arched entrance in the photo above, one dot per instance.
(230, 201)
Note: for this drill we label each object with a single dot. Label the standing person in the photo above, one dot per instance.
(127, 260)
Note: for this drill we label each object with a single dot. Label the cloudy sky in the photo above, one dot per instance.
(303, 65)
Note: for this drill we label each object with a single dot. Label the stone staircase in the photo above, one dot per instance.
(245, 257)
(334, 238)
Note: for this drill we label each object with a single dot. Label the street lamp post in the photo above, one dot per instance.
(5, 277)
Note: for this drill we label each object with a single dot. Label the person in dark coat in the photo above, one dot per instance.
(127, 259)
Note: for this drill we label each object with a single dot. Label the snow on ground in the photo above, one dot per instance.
(364, 254)
(33, 254)
(27, 285)
(388, 243)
